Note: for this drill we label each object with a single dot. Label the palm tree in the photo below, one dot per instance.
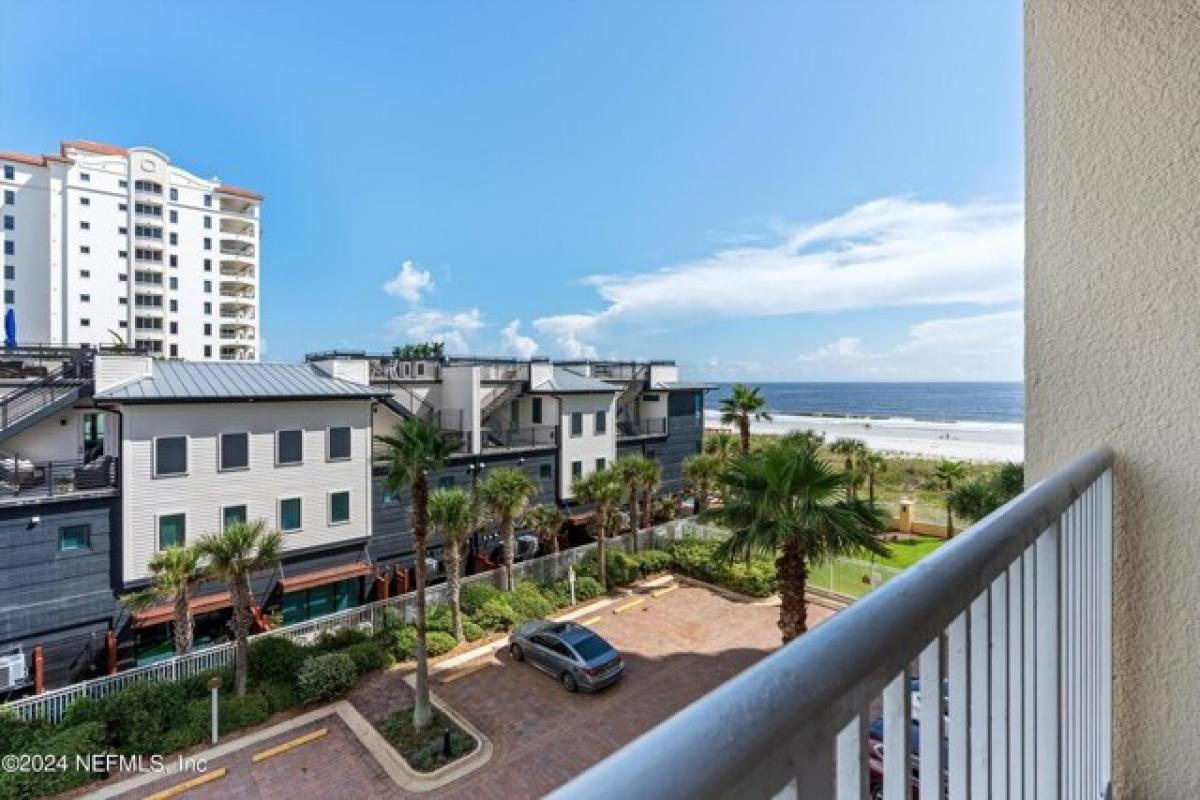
(789, 503)
(742, 405)
(806, 438)
(721, 444)
(546, 521)
(701, 472)
(946, 475)
(414, 450)
(505, 492)
(873, 464)
(453, 512)
(629, 470)
(854, 451)
(233, 555)
(174, 573)
(605, 490)
(651, 472)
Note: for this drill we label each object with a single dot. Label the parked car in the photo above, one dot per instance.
(574, 655)
(526, 547)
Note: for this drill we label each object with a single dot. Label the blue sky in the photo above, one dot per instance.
(759, 190)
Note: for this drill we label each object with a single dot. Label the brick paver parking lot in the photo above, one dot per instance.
(677, 647)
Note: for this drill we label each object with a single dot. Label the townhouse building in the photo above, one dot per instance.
(106, 459)
(105, 244)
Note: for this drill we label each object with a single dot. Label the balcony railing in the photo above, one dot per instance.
(1013, 618)
(512, 438)
(630, 428)
(23, 480)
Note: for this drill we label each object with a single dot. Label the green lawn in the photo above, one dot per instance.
(909, 551)
(857, 576)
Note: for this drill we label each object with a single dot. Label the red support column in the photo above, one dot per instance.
(402, 579)
(110, 652)
(381, 587)
(39, 670)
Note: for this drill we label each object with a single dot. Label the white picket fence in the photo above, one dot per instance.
(52, 705)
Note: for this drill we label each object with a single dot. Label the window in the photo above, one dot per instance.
(174, 283)
(391, 498)
(85, 322)
(339, 508)
(650, 454)
(174, 238)
(122, 323)
(172, 530)
(10, 248)
(85, 273)
(208, 286)
(446, 482)
(537, 411)
(170, 456)
(85, 298)
(649, 398)
(208, 201)
(208, 329)
(544, 471)
(122, 231)
(85, 249)
(601, 464)
(208, 351)
(174, 304)
(10, 197)
(576, 469)
(207, 222)
(10, 174)
(10, 222)
(174, 216)
(174, 195)
(85, 225)
(122, 206)
(85, 201)
(577, 423)
(10, 296)
(122, 184)
(232, 515)
(74, 537)
(234, 451)
(289, 447)
(122, 254)
(10, 272)
(147, 255)
(174, 350)
(174, 261)
(147, 209)
(207, 243)
(208, 308)
(339, 444)
(601, 422)
(289, 514)
(123, 301)
(174, 327)
(208, 265)
(85, 177)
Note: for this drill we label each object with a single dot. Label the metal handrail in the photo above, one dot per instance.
(773, 725)
(503, 438)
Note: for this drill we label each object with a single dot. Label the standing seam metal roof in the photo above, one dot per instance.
(184, 380)
(564, 380)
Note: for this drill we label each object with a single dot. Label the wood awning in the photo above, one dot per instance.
(305, 580)
(166, 613)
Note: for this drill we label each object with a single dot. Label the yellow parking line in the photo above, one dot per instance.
(629, 605)
(291, 745)
(180, 788)
(661, 592)
(465, 671)
(591, 621)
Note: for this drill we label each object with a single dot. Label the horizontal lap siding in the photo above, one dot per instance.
(685, 435)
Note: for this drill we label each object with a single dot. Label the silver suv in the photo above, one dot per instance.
(574, 655)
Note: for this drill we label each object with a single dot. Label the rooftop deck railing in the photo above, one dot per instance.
(22, 480)
(1014, 618)
(630, 428)
(513, 438)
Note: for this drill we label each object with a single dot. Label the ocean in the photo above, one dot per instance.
(929, 402)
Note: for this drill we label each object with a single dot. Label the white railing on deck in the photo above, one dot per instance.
(52, 705)
(1014, 614)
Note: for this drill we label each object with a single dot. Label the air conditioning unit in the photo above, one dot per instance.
(12, 671)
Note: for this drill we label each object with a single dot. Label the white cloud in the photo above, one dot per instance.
(892, 252)
(513, 341)
(978, 347)
(450, 327)
(566, 330)
(409, 283)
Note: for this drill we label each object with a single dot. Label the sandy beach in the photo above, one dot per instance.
(968, 441)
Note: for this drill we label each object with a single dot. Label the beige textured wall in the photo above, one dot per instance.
(1113, 334)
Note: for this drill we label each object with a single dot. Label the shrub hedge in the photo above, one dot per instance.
(325, 677)
(698, 558)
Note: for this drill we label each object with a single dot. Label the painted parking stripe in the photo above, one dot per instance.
(465, 671)
(629, 605)
(180, 788)
(661, 592)
(591, 621)
(289, 745)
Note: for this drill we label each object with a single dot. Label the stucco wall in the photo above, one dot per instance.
(1113, 333)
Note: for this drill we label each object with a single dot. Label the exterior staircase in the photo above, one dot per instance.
(501, 398)
(42, 398)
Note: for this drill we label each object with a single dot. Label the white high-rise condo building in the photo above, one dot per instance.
(108, 245)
